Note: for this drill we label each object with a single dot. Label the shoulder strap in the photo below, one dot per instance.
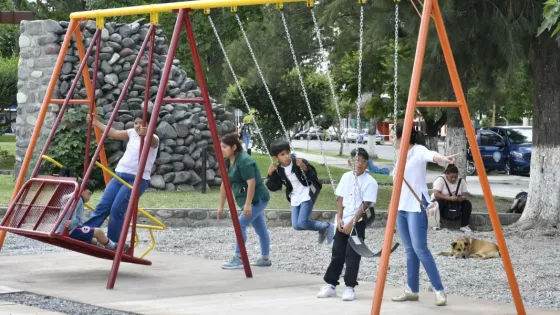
(458, 186)
(445, 182)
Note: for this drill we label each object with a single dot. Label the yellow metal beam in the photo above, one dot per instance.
(169, 7)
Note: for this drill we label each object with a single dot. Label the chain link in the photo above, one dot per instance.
(239, 86)
(305, 95)
(395, 79)
(263, 79)
(358, 102)
(331, 86)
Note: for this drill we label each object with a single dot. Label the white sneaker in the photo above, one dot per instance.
(348, 294)
(441, 298)
(407, 295)
(327, 291)
(466, 229)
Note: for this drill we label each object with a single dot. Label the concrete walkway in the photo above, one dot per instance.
(501, 185)
(187, 285)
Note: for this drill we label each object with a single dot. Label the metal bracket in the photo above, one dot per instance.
(154, 18)
(100, 22)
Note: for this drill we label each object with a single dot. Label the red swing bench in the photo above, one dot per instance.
(40, 207)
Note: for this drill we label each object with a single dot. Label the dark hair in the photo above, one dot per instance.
(89, 185)
(361, 153)
(451, 169)
(232, 139)
(413, 135)
(140, 114)
(277, 146)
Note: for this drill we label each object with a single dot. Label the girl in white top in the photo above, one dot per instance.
(412, 222)
(114, 201)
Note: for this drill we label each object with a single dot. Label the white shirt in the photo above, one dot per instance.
(299, 193)
(366, 192)
(439, 184)
(129, 162)
(415, 175)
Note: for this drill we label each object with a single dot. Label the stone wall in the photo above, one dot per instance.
(182, 128)
(283, 218)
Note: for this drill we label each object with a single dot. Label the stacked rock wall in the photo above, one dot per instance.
(182, 128)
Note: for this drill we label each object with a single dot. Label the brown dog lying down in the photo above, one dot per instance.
(466, 247)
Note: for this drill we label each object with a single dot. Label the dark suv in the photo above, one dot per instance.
(506, 149)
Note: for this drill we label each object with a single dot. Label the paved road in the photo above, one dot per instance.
(500, 185)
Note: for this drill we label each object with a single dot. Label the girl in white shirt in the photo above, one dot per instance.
(412, 222)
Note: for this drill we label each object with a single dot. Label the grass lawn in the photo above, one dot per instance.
(8, 143)
(325, 201)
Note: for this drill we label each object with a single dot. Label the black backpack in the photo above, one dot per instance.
(451, 210)
(519, 203)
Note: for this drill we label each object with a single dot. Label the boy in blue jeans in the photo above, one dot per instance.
(302, 188)
(75, 227)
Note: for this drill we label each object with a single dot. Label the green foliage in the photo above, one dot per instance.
(69, 145)
(551, 17)
(8, 81)
(7, 160)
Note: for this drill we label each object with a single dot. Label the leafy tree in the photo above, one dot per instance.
(288, 97)
(8, 84)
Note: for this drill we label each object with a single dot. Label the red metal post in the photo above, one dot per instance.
(92, 105)
(397, 184)
(142, 142)
(96, 37)
(183, 100)
(146, 149)
(216, 143)
(115, 113)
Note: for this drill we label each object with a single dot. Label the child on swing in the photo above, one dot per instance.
(353, 200)
(75, 227)
(302, 188)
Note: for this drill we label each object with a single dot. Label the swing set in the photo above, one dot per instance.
(36, 208)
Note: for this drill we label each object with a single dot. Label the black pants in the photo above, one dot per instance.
(466, 209)
(343, 253)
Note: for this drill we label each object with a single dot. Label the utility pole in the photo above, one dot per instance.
(494, 115)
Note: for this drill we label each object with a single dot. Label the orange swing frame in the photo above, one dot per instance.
(431, 9)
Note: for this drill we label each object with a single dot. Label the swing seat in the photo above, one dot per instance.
(39, 209)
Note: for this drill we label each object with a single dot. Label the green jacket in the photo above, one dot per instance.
(243, 169)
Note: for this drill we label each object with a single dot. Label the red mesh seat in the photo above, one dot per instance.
(39, 208)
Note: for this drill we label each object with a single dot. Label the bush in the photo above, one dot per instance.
(69, 145)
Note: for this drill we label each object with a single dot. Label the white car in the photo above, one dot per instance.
(350, 135)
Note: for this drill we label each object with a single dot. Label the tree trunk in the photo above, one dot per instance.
(456, 140)
(543, 203)
(371, 139)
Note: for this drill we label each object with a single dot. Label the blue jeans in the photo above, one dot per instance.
(113, 204)
(300, 218)
(258, 221)
(413, 230)
(246, 139)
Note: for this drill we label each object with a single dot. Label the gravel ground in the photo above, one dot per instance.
(535, 258)
(57, 305)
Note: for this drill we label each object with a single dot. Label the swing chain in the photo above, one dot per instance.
(331, 86)
(358, 103)
(395, 79)
(305, 96)
(263, 79)
(238, 85)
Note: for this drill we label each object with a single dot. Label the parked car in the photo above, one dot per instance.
(518, 148)
(363, 137)
(302, 135)
(505, 149)
(350, 135)
(315, 133)
(491, 147)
